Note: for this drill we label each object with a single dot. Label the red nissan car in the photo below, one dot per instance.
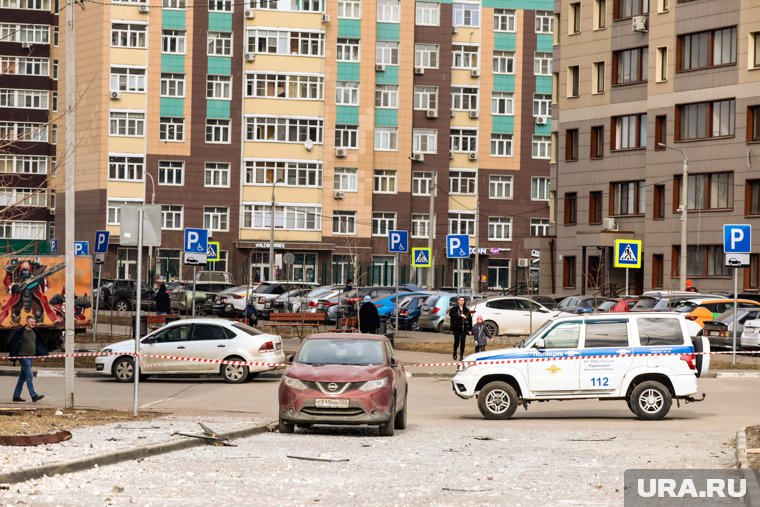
(338, 378)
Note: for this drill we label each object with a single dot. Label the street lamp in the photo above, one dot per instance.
(271, 235)
(431, 226)
(151, 268)
(684, 214)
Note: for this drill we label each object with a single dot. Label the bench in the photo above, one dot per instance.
(348, 325)
(297, 321)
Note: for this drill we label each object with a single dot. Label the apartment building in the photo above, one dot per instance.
(28, 119)
(640, 86)
(346, 114)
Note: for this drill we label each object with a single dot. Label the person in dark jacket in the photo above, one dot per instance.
(481, 334)
(162, 301)
(349, 285)
(27, 341)
(251, 314)
(461, 325)
(369, 319)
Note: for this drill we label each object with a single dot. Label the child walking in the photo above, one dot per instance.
(481, 334)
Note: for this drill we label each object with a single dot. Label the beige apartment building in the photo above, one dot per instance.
(630, 75)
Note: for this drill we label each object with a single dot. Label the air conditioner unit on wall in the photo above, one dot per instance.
(419, 70)
(542, 120)
(473, 115)
(609, 224)
(338, 195)
(250, 14)
(640, 24)
(340, 152)
(475, 73)
(380, 67)
(431, 113)
(115, 95)
(26, 45)
(472, 156)
(249, 57)
(325, 18)
(144, 8)
(418, 157)
(523, 262)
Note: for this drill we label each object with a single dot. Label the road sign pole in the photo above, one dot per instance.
(736, 290)
(459, 278)
(398, 308)
(626, 282)
(97, 300)
(138, 289)
(192, 301)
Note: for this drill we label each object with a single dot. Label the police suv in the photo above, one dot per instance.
(646, 359)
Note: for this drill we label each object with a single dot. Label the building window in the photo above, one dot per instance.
(420, 225)
(628, 198)
(706, 191)
(466, 15)
(347, 136)
(501, 145)
(386, 96)
(171, 129)
(500, 187)
(386, 138)
(539, 189)
(575, 19)
(384, 181)
(346, 179)
(598, 77)
(571, 208)
(573, 81)
(504, 20)
(128, 35)
(23, 66)
(462, 182)
(629, 132)
(753, 124)
(386, 53)
(503, 62)
(630, 66)
(464, 99)
(128, 79)
(284, 86)
(219, 87)
(499, 229)
(661, 64)
(122, 168)
(286, 217)
(707, 260)
(542, 64)
(425, 97)
(217, 174)
(173, 41)
(127, 124)
(346, 93)
(705, 119)
(294, 173)
(659, 202)
(571, 144)
(568, 272)
(462, 223)
(464, 140)
(427, 14)
(388, 11)
(425, 141)
(422, 183)
(220, 5)
(217, 131)
(600, 14)
(707, 49)
(285, 42)
(216, 218)
(219, 44)
(172, 85)
(541, 147)
(426, 56)
(754, 57)
(382, 222)
(171, 172)
(595, 208)
(348, 50)
(344, 222)
(752, 197)
(544, 22)
(171, 217)
(629, 8)
(658, 269)
(465, 56)
(174, 4)
(660, 132)
(113, 210)
(278, 129)
(502, 104)
(349, 9)
(539, 227)
(597, 142)
(542, 105)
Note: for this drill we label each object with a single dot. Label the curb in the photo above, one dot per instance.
(55, 373)
(738, 374)
(753, 488)
(103, 459)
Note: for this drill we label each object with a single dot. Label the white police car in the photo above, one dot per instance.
(610, 356)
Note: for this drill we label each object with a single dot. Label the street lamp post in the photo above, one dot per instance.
(271, 235)
(151, 267)
(684, 215)
(431, 223)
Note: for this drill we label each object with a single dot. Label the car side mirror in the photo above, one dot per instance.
(538, 344)
(289, 359)
(394, 362)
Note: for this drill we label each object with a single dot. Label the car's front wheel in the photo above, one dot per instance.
(650, 400)
(234, 373)
(122, 305)
(388, 429)
(400, 421)
(124, 369)
(497, 400)
(286, 427)
(414, 325)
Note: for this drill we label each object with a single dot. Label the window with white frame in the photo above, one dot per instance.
(539, 189)
(171, 173)
(501, 145)
(462, 182)
(127, 123)
(216, 174)
(425, 97)
(173, 41)
(542, 104)
(128, 79)
(539, 227)
(386, 96)
(349, 9)
(420, 225)
(348, 50)
(422, 182)
(541, 147)
(500, 186)
(128, 35)
(344, 222)
(462, 222)
(125, 168)
(284, 86)
(542, 64)
(425, 141)
(23, 164)
(347, 93)
(220, 5)
(307, 5)
(172, 85)
(465, 56)
(426, 56)
(53, 134)
(388, 11)
(25, 197)
(171, 217)
(292, 217)
(174, 4)
(502, 103)
(283, 129)
(386, 138)
(504, 20)
(384, 181)
(55, 69)
(466, 14)
(464, 98)
(346, 179)
(427, 14)
(382, 222)
(503, 62)
(499, 228)
(217, 131)
(464, 140)
(23, 229)
(36, 5)
(544, 22)
(285, 42)
(26, 99)
(347, 136)
(219, 87)
(216, 218)
(303, 174)
(113, 210)
(171, 129)
(386, 53)
(23, 66)
(28, 132)
(219, 44)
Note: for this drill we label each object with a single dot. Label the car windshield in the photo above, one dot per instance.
(606, 306)
(247, 329)
(320, 351)
(686, 307)
(645, 303)
(430, 301)
(264, 288)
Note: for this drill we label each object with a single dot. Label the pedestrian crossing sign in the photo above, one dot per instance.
(627, 253)
(421, 258)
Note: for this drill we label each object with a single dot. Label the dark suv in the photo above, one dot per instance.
(122, 296)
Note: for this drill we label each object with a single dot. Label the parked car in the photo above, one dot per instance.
(290, 301)
(264, 295)
(122, 295)
(386, 304)
(510, 315)
(338, 378)
(436, 308)
(665, 301)
(103, 292)
(409, 312)
(720, 330)
(231, 302)
(581, 304)
(616, 305)
(328, 304)
(351, 301)
(206, 338)
(545, 301)
(181, 300)
(566, 365)
(702, 310)
(750, 336)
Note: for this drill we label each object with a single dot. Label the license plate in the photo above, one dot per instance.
(331, 403)
(278, 346)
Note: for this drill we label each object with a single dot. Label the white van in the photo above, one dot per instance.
(613, 356)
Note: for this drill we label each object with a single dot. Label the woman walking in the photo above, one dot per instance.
(461, 325)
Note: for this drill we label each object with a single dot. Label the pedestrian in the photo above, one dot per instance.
(690, 286)
(162, 300)
(481, 334)
(369, 319)
(461, 325)
(27, 341)
(349, 285)
(251, 314)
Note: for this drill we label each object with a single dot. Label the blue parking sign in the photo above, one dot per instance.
(457, 246)
(196, 241)
(737, 238)
(101, 241)
(81, 248)
(398, 241)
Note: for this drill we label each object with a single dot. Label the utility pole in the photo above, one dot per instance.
(431, 228)
(151, 267)
(475, 276)
(271, 236)
(684, 215)
(70, 192)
